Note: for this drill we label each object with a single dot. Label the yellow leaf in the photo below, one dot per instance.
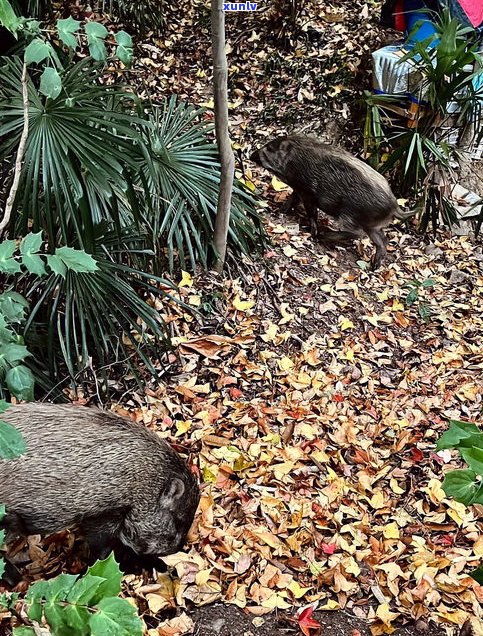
(377, 500)
(330, 605)
(345, 323)
(156, 603)
(385, 615)
(457, 617)
(296, 590)
(248, 183)
(243, 305)
(182, 427)
(396, 489)
(397, 306)
(284, 364)
(194, 300)
(186, 280)
(203, 576)
(384, 295)
(391, 531)
(289, 251)
(274, 601)
(209, 104)
(278, 185)
(435, 491)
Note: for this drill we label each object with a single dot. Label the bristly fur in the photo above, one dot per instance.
(108, 475)
(329, 178)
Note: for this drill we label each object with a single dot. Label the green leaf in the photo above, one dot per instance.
(76, 617)
(76, 260)
(411, 297)
(124, 39)
(84, 589)
(13, 353)
(8, 264)
(29, 248)
(8, 19)
(20, 382)
(107, 569)
(4, 405)
(37, 51)
(31, 243)
(24, 631)
(124, 50)
(66, 29)
(50, 83)
(478, 575)
(95, 39)
(474, 458)
(457, 432)
(13, 307)
(462, 485)
(12, 444)
(115, 617)
(56, 265)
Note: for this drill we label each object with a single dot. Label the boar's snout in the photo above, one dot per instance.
(255, 156)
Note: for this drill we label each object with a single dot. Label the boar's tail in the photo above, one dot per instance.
(404, 216)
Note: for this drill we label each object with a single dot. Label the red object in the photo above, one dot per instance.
(308, 624)
(417, 456)
(474, 11)
(328, 548)
(399, 17)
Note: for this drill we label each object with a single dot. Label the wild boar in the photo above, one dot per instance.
(330, 179)
(107, 475)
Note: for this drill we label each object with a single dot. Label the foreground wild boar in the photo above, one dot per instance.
(330, 179)
(111, 477)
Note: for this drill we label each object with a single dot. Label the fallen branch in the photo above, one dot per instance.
(20, 153)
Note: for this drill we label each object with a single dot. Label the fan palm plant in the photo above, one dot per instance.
(135, 187)
(182, 171)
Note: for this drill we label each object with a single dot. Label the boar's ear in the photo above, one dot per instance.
(173, 490)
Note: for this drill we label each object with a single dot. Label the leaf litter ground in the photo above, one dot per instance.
(310, 393)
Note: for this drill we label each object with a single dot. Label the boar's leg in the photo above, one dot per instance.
(378, 238)
(101, 531)
(312, 214)
(291, 203)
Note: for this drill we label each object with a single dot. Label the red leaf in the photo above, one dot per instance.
(328, 548)
(308, 624)
(417, 456)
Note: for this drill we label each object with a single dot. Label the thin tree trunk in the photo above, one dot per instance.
(227, 159)
(20, 153)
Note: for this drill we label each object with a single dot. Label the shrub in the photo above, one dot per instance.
(146, 204)
(421, 157)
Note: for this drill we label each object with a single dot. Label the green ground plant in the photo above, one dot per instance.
(465, 484)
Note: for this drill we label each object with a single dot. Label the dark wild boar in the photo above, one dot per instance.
(330, 179)
(107, 475)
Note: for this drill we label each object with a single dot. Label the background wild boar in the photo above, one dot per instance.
(330, 179)
(108, 475)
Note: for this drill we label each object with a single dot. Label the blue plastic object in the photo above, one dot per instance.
(419, 26)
